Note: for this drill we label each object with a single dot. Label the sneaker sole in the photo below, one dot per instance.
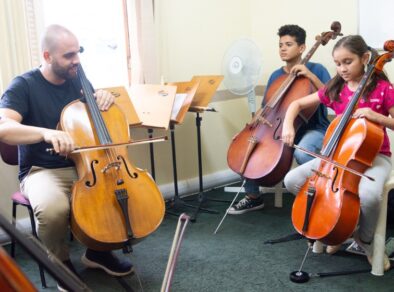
(235, 212)
(95, 265)
(60, 288)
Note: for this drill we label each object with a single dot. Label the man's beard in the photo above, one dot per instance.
(63, 73)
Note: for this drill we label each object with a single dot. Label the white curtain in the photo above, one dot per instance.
(144, 65)
(14, 45)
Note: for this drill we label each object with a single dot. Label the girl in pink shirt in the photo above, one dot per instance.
(350, 55)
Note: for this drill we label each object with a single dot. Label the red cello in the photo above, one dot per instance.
(257, 152)
(327, 206)
(114, 204)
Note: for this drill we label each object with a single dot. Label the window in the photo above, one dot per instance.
(101, 30)
(376, 27)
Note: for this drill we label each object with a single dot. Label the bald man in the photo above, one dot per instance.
(34, 102)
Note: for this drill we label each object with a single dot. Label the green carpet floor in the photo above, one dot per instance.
(235, 259)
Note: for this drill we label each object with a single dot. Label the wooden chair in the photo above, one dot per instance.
(9, 154)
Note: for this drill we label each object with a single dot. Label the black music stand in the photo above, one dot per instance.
(153, 103)
(177, 202)
(152, 155)
(185, 94)
(206, 90)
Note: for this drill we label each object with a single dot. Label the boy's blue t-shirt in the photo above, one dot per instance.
(319, 120)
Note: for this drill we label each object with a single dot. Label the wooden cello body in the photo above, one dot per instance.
(257, 152)
(327, 206)
(336, 203)
(12, 278)
(114, 204)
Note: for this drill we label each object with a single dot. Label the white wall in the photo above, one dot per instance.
(193, 37)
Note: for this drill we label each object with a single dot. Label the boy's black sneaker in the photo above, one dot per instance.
(247, 205)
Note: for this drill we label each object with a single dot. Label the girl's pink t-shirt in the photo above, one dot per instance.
(380, 100)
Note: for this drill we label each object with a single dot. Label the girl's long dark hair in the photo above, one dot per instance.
(356, 45)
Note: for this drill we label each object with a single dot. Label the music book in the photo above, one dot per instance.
(122, 99)
(205, 92)
(183, 99)
(153, 103)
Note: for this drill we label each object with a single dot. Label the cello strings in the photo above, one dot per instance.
(98, 122)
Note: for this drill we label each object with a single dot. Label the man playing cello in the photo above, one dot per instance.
(36, 100)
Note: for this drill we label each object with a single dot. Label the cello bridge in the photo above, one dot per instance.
(111, 165)
(320, 174)
(252, 140)
(264, 121)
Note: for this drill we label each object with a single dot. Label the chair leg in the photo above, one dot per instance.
(34, 231)
(13, 223)
(32, 222)
(379, 242)
(278, 195)
(42, 276)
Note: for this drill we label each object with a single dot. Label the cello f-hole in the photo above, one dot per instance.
(276, 132)
(333, 188)
(88, 183)
(134, 175)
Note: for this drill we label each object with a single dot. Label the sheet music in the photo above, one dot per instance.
(186, 87)
(178, 102)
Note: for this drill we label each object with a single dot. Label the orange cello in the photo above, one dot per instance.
(257, 152)
(114, 204)
(12, 278)
(327, 206)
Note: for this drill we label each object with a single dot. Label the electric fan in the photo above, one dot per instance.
(241, 67)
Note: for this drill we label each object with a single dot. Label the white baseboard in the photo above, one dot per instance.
(185, 188)
(191, 186)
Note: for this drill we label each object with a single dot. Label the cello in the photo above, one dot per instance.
(12, 277)
(114, 204)
(257, 152)
(327, 206)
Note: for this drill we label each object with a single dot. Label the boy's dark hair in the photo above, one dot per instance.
(293, 30)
